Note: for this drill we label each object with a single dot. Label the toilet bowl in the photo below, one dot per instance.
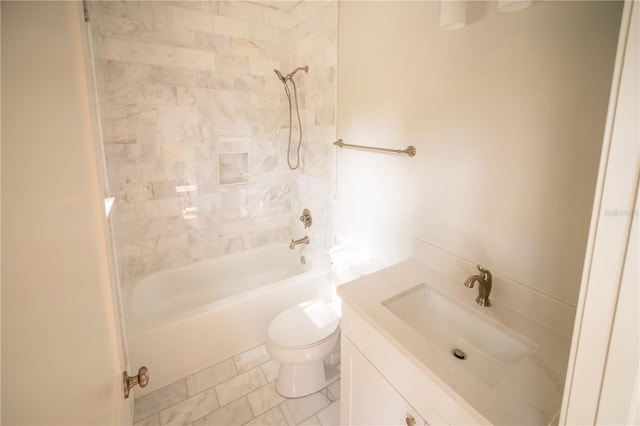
(304, 340)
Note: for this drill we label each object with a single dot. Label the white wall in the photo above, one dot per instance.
(0, 221)
(59, 364)
(507, 116)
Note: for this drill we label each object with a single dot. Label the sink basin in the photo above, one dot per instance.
(490, 350)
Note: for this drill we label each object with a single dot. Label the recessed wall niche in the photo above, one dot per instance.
(233, 168)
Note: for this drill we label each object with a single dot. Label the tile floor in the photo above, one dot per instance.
(238, 391)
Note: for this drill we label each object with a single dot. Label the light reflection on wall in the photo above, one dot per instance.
(190, 213)
(186, 188)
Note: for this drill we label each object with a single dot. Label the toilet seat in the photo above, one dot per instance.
(303, 325)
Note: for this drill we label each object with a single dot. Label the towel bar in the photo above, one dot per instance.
(410, 151)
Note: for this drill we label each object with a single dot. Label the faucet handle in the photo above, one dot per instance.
(306, 218)
(486, 274)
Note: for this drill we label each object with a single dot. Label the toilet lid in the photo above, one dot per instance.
(304, 324)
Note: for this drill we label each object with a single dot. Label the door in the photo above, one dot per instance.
(62, 359)
(602, 376)
(123, 411)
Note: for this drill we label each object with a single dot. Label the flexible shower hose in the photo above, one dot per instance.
(295, 95)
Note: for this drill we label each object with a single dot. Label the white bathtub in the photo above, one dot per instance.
(185, 319)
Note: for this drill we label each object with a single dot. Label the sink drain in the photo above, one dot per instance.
(459, 353)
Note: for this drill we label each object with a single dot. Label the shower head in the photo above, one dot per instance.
(280, 76)
(292, 73)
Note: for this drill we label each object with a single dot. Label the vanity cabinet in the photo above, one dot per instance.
(367, 398)
(394, 365)
(377, 382)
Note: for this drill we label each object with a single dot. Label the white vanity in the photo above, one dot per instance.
(400, 326)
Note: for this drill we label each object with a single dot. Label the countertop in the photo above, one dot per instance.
(530, 394)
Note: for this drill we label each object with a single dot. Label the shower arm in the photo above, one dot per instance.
(292, 73)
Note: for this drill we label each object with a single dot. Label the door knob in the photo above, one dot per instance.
(410, 420)
(141, 379)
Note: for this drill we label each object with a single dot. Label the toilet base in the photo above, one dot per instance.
(298, 380)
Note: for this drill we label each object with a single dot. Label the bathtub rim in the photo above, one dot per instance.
(136, 325)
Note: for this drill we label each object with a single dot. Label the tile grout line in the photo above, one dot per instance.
(235, 367)
(231, 358)
(221, 407)
(259, 366)
(330, 395)
(279, 406)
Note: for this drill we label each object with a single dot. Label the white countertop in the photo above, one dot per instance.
(530, 394)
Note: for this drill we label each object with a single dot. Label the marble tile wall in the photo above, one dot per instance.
(314, 31)
(180, 83)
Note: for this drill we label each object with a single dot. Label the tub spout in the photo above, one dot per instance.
(294, 243)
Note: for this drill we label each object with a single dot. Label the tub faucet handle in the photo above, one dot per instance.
(306, 218)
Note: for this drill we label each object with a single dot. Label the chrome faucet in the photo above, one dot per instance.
(294, 243)
(484, 286)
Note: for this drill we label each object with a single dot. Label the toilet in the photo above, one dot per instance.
(302, 339)
(305, 339)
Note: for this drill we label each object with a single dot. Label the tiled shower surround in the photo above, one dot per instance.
(195, 126)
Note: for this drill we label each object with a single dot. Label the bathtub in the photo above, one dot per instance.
(185, 319)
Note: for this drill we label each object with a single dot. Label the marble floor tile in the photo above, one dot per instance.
(225, 395)
(251, 358)
(237, 412)
(327, 394)
(210, 377)
(273, 417)
(264, 398)
(298, 409)
(153, 420)
(159, 400)
(334, 390)
(330, 416)
(240, 385)
(190, 409)
(311, 421)
(270, 370)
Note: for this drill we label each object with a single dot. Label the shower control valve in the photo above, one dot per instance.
(306, 218)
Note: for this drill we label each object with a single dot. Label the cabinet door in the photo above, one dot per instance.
(367, 398)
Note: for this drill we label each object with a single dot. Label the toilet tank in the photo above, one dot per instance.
(349, 262)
